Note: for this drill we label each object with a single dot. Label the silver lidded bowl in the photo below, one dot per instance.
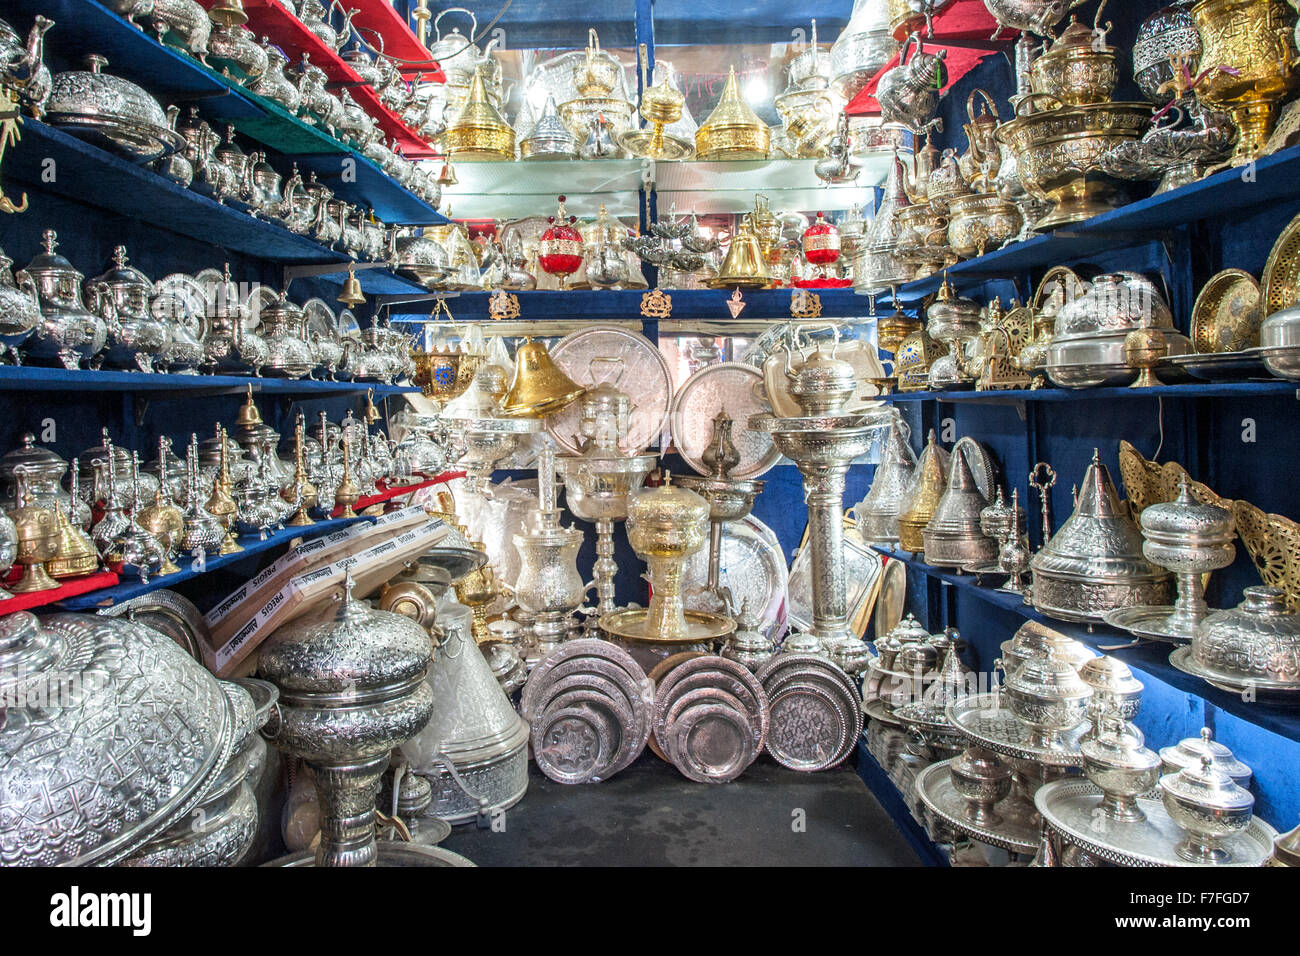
(1189, 752)
(981, 780)
(112, 111)
(137, 734)
(1256, 644)
(1033, 640)
(352, 689)
(1117, 763)
(1115, 691)
(1094, 563)
(1279, 343)
(1048, 696)
(1209, 806)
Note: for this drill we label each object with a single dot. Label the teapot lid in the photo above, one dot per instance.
(48, 261)
(36, 459)
(1119, 745)
(121, 273)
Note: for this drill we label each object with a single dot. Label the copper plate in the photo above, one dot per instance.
(713, 743)
(573, 745)
(636, 696)
(660, 671)
(1227, 313)
(719, 673)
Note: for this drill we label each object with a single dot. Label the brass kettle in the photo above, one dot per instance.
(539, 388)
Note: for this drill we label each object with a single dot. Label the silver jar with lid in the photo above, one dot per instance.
(121, 295)
(69, 332)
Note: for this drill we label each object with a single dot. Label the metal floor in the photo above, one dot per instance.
(650, 815)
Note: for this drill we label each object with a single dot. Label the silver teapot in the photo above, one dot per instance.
(20, 308)
(909, 93)
(288, 352)
(230, 344)
(69, 331)
(1031, 16)
(298, 204)
(315, 17)
(319, 106)
(136, 337)
(274, 83)
(234, 50)
(264, 188)
(211, 176)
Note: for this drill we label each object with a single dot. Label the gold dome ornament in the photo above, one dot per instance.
(733, 130)
(479, 132)
(661, 107)
(744, 266)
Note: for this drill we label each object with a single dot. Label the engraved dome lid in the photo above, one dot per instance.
(1119, 746)
(1099, 543)
(95, 95)
(110, 733)
(1192, 749)
(356, 650)
(40, 462)
(668, 506)
(1205, 786)
(1186, 522)
(1257, 642)
(1109, 675)
(1115, 303)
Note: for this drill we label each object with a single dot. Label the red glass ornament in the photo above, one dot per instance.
(559, 251)
(821, 242)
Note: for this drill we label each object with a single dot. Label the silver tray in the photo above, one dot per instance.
(1018, 831)
(892, 598)
(752, 569)
(810, 729)
(644, 378)
(876, 710)
(1264, 692)
(862, 566)
(981, 718)
(1069, 809)
(737, 389)
(1220, 366)
(1149, 620)
(982, 466)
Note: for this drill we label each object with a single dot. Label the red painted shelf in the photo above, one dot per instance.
(966, 23)
(400, 42)
(270, 19)
(396, 491)
(70, 589)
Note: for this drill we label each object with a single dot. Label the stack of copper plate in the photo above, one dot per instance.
(816, 711)
(589, 705)
(710, 716)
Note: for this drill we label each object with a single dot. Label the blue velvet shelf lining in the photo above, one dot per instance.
(18, 378)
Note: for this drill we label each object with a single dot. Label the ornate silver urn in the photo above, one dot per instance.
(352, 688)
(69, 332)
(877, 513)
(823, 442)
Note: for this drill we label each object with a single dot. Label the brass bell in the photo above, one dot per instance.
(248, 413)
(744, 266)
(448, 175)
(351, 294)
(228, 13)
(539, 388)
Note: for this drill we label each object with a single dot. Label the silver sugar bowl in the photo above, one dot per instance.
(1209, 806)
(1188, 753)
(1047, 695)
(1118, 764)
(981, 780)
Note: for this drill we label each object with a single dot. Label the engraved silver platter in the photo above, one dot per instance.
(982, 467)
(737, 389)
(626, 360)
(752, 569)
(877, 710)
(630, 709)
(1018, 831)
(575, 744)
(712, 743)
(983, 720)
(1263, 691)
(862, 569)
(809, 727)
(1220, 366)
(1151, 621)
(892, 598)
(709, 672)
(1070, 809)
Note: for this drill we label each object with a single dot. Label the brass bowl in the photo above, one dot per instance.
(1059, 152)
(981, 222)
(1078, 76)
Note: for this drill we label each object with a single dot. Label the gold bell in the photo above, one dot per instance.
(248, 413)
(539, 388)
(744, 266)
(228, 13)
(371, 414)
(351, 295)
(448, 175)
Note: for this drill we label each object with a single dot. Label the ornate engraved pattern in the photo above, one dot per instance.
(1273, 542)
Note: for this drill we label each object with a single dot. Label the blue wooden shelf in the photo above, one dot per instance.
(884, 790)
(1272, 179)
(16, 378)
(1190, 390)
(1152, 657)
(85, 26)
(105, 597)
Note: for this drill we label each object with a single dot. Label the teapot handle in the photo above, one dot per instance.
(437, 34)
(912, 38)
(988, 104)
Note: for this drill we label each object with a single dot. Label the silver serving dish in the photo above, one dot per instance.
(1033, 639)
(136, 749)
(816, 711)
(1009, 823)
(1115, 691)
(1253, 647)
(1209, 806)
(710, 718)
(1048, 696)
(1279, 343)
(737, 389)
(112, 111)
(1094, 563)
(474, 750)
(986, 720)
(1069, 811)
(69, 332)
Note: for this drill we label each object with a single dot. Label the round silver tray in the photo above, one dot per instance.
(737, 389)
(983, 720)
(644, 378)
(982, 467)
(1150, 621)
(1265, 692)
(1220, 366)
(1069, 808)
(1018, 831)
(752, 568)
(876, 710)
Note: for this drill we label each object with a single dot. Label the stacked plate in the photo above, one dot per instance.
(710, 718)
(589, 706)
(816, 714)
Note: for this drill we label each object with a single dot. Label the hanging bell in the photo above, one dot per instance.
(370, 415)
(539, 387)
(248, 413)
(744, 266)
(447, 177)
(351, 294)
(228, 13)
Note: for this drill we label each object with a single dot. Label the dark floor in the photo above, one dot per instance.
(650, 815)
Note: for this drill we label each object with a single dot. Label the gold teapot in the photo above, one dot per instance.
(1255, 39)
(37, 530)
(597, 73)
(1080, 68)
